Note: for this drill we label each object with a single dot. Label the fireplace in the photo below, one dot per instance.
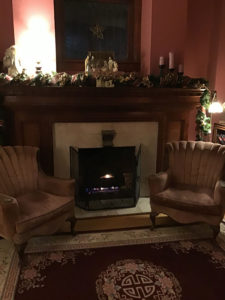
(106, 177)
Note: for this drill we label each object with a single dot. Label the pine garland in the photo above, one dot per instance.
(203, 122)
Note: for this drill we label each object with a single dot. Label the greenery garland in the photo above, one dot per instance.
(132, 79)
(203, 122)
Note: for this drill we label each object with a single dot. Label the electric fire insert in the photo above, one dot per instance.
(107, 177)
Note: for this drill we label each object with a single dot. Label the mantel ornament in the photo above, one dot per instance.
(98, 64)
(11, 61)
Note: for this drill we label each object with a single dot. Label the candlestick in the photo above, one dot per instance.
(161, 66)
(180, 75)
(38, 67)
(171, 61)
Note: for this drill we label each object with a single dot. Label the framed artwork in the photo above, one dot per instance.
(84, 26)
(218, 135)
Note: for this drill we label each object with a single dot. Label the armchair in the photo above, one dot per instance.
(31, 203)
(192, 187)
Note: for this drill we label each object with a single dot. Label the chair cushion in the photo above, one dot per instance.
(38, 207)
(187, 198)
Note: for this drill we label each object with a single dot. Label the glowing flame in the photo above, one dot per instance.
(107, 176)
(35, 44)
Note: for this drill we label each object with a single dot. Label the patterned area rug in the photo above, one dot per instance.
(177, 270)
(127, 265)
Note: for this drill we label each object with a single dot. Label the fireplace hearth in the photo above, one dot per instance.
(106, 178)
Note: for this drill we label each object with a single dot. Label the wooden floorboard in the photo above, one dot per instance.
(119, 222)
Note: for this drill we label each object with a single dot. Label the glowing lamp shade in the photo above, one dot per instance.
(37, 44)
(215, 107)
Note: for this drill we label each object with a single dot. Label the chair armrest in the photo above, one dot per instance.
(9, 215)
(219, 193)
(158, 182)
(54, 185)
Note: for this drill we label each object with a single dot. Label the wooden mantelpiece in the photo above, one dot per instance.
(32, 111)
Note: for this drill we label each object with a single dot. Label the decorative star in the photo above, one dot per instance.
(97, 31)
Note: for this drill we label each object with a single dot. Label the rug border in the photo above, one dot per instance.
(12, 278)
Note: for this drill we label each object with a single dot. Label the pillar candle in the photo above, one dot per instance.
(171, 60)
(161, 61)
(180, 68)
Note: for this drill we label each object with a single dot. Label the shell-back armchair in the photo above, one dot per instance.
(31, 203)
(192, 188)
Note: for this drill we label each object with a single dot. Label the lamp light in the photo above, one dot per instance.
(215, 106)
(37, 44)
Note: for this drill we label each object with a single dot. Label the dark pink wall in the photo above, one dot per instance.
(146, 25)
(6, 26)
(214, 43)
(169, 19)
(220, 62)
(200, 20)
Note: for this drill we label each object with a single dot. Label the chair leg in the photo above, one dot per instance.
(72, 225)
(20, 251)
(216, 230)
(152, 218)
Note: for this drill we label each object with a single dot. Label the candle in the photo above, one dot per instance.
(180, 68)
(171, 60)
(161, 61)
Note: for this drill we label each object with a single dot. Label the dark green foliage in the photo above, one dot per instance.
(203, 122)
(205, 99)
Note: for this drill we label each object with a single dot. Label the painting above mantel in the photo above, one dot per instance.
(97, 25)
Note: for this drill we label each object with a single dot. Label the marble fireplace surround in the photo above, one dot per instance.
(34, 111)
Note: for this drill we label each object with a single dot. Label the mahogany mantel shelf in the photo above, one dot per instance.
(33, 111)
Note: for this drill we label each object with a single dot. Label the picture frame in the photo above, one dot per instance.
(218, 135)
(75, 37)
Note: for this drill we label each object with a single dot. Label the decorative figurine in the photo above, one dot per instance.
(93, 64)
(99, 82)
(115, 66)
(87, 65)
(110, 64)
(105, 67)
(11, 61)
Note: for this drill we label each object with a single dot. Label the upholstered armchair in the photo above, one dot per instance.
(192, 187)
(31, 203)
